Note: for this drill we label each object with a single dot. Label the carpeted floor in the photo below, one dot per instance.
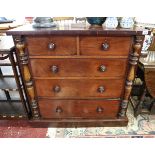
(142, 127)
(20, 129)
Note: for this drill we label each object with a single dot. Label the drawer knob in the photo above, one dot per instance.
(56, 89)
(99, 109)
(51, 46)
(102, 68)
(59, 110)
(54, 69)
(101, 89)
(105, 46)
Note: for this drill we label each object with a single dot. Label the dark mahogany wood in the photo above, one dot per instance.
(63, 45)
(69, 30)
(68, 123)
(79, 88)
(77, 75)
(79, 108)
(92, 45)
(74, 123)
(78, 67)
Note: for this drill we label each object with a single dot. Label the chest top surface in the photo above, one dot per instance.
(70, 30)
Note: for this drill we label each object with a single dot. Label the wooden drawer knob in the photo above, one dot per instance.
(51, 46)
(56, 89)
(102, 68)
(59, 110)
(99, 109)
(54, 69)
(105, 46)
(101, 89)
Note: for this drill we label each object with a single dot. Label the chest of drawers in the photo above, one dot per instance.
(78, 77)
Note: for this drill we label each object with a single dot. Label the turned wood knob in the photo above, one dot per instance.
(51, 46)
(99, 109)
(101, 89)
(105, 46)
(59, 110)
(54, 69)
(56, 89)
(102, 68)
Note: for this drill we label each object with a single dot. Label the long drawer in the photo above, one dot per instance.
(55, 45)
(105, 46)
(79, 108)
(79, 88)
(78, 67)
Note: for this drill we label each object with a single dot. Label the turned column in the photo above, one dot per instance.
(133, 59)
(23, 58)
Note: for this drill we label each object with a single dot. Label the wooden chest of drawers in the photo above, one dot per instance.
(78, 77)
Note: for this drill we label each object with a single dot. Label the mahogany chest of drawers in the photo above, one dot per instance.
(78, 77)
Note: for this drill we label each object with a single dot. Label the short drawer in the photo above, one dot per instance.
(105, 46)
(78, 67)
(56, 45)
(79, 108)
(79, 88)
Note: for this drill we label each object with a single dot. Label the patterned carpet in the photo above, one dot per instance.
(141, 127)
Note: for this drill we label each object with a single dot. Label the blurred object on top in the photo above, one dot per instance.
(5, 20)
(43, 22)
(29, 20)
(80, 19)
(145, 22)
(8, 23)
(96, 20)
(62, 18)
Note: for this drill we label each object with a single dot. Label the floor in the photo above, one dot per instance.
(20, 129)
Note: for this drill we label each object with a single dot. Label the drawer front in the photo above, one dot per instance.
(56, 45)
(78, 67)
(78, 88)
(78, 108)
(105, 46)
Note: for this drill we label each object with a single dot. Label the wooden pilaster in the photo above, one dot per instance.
(23, 57)
(133, 59)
